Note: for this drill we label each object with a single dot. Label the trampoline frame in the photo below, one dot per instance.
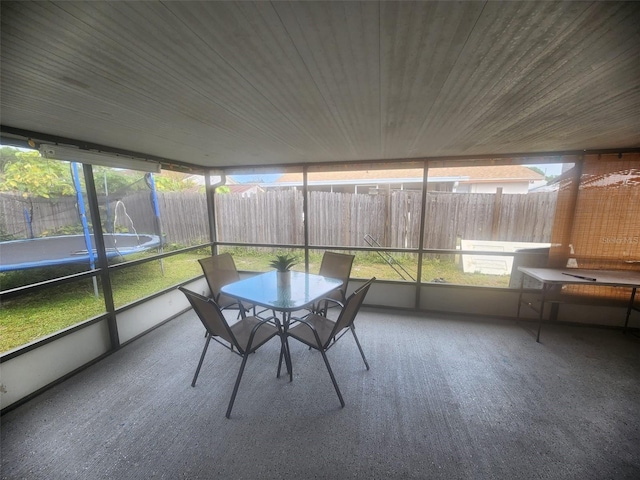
(70, 249)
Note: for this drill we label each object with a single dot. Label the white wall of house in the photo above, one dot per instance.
(492, 187)
(37, 368)
(31, 371)
(137, 320)
(23, 375)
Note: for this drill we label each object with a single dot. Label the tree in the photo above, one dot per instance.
(116, 182)
(33, 176)
(173, 182)
(7, 155)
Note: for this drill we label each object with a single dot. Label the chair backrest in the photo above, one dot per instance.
(210, 316)
(219, 270)
(351, 308)
(337, 265)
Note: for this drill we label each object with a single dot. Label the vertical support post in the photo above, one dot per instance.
(29, 219)
(108, 222)
(85, 224)
(423, 216)
(103, 265)
(497, 211)
(388, 235)
(557, 260)
(210, 191)
(156, 215)
(305, 217)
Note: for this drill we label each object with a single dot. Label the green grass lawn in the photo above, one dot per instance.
(35, 315)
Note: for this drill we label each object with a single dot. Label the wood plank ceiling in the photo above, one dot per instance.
(238, 83)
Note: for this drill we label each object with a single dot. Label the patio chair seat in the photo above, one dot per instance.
(246, 335)
(320, 333)
(242, 332)
(322, 325)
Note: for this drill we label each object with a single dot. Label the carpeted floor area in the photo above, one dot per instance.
(446, 397)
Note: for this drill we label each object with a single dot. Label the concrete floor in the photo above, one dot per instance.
(446, 397)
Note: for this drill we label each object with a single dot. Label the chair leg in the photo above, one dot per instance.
(204, 352)
(235, 388)
(353, 330)
(286, 354)
(280, 358)
(322, 311)
(287, 359)
(333, 379)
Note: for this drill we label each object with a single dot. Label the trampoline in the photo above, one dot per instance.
(49, 251)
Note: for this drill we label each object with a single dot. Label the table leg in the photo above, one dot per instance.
(520, 296)
(284, 347)
(282, 353)
(629, 308)
(543, 295)
(286, 318)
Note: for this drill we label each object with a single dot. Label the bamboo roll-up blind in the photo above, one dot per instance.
(603, 230)
(563, 219)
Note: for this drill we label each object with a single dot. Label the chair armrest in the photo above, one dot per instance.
(332, 300)
(272, 319)
(322, 310)
(302, 320)
(313, 329)
(254, 330)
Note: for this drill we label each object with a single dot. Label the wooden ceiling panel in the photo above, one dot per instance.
(545, 68)
(266, 83)
(421, 44)
(338, 45)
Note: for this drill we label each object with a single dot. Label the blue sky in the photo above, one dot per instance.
(262, 178)
(549, 168)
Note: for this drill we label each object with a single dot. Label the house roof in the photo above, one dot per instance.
(242, 188)
(226, 84)
(484, 174)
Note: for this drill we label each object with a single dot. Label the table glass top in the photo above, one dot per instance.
(302, 290)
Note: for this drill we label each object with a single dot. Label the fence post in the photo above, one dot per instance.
(497, 210)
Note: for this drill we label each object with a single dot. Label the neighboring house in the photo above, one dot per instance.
(244, 189)
(511, 178)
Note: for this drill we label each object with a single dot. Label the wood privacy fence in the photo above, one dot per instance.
(339, 219)
(482, 216)
(269, 217)
(48, 215)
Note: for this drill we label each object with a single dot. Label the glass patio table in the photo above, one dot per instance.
(301, 291)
